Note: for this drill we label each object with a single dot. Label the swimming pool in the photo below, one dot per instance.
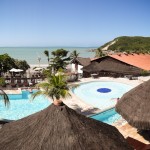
(109, 116)
(22, 106)
(100, 94)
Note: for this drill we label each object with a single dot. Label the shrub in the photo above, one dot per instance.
(2, 81)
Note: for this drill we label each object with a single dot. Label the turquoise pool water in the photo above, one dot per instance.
(109, 116)
(22, 106)
(89, 93)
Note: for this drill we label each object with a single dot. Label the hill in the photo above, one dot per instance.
(136, 44)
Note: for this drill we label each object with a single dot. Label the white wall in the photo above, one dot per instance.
(79, 68)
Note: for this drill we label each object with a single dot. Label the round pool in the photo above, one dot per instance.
(101, 94)
(21, 106)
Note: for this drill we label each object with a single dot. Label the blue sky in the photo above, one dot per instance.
(71, 22)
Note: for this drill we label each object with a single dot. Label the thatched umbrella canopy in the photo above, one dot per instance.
(59, 127)
(134, 106)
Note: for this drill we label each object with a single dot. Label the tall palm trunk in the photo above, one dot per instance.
(4, 97)
(76, 67)
(47, 55)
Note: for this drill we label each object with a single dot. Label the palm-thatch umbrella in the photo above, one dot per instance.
(60, 128)
(134, 106)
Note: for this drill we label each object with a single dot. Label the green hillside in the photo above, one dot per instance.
(129, 44)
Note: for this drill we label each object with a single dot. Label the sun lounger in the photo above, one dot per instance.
(134, 78)
(25, 83)
(128, 77)
(94, 75)
(19, 83)
(33, 81)
(13, 84)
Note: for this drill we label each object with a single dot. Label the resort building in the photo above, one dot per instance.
(78, 63)
(119, 65)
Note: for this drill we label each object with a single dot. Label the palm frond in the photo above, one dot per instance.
(36, 94)
(55, 87)
(73, 86)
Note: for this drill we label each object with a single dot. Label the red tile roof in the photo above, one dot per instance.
(139, 60)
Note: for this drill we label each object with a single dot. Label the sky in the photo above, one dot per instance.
(72, 23)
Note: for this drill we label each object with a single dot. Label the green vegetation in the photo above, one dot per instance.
(59, 59)
(2, 81)
(46, 52)
(99, 53)
(74, 55)
(129, 44)
(21, 64)
(7, 63)
(145, 73)
(55, 87)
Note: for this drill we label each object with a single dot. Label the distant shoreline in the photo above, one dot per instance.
(31, 54)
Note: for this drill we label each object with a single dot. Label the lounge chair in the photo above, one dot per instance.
(19, 83)
(94, 75)
(12, 83)
(25, 83)
(33, 81)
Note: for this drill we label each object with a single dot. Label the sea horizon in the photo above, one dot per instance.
(31, 54)
(49, 46)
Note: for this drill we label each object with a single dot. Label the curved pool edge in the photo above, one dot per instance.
(126, 81)
(102, 111)
(95, 100)
(77, 99)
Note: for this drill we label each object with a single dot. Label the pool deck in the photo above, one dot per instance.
(18, 91)
(80, 106)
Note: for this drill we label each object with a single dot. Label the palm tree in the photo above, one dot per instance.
(46, 52)
(73, 56)
(60, 59)
(55, 88)
(3, 96)
(39, 60)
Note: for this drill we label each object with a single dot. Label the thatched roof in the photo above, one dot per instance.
(82, 61)
(134, 106)
(109, 65)
(60, 128)
(93, 67)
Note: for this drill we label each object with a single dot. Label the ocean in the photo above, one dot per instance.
(31, 54)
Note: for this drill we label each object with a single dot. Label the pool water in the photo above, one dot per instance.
(21, 106)
(98, 94)
(102, 95)
(109, 116)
